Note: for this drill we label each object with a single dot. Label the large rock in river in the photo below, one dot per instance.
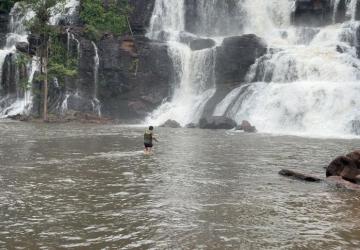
(216, 122)
(235, 56)
(171, 124)
(347, 167)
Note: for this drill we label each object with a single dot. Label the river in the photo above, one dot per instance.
(80, 186)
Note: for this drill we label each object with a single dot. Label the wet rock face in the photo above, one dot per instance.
(8, 81)
(4, 22)
(200, 44)
(347, 167)
(134, 76)
(235, 56)
(313, 12)
(141, 15)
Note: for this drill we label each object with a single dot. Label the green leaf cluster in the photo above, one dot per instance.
(100, 18)
(59, 63)
(6, 5)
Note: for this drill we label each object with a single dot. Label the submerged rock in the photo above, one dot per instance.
(338, 181)
(247, 127)
(171, 124)
(299, 176)
(217, 122)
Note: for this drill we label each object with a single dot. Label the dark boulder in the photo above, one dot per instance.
(200, 44)
(217, 122)
(312, 12)
(246, 127)
(25, 48)
(235, 56)
(348, 167)
(171, 124)
(299, 176)
(22, 47)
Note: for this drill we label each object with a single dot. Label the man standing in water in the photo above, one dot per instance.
(148, 139)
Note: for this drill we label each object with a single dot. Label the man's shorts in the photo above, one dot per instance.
(148, 145)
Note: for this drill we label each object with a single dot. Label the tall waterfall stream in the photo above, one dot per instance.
(305, 85)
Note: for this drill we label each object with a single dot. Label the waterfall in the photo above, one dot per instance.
(194, 80)
(306, 84)
(96, 102)
(22, 103)
(64, 12)
(302, 86)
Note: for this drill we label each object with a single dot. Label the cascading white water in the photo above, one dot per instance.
(195, 70)
(306, 84)
(64, 12)
(301, 87)
(96, 102)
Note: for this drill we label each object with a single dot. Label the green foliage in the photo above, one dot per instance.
(112, 18)
(6, 5)
(22, 59)
(61, 63)
(92, 33)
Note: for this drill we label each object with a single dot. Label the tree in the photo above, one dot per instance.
(6, 5)
(109, 16)
(51, 64)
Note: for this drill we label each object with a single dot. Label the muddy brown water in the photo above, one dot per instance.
(76, 186)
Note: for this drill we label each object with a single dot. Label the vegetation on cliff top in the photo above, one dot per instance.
(6, 5)
(110, 17)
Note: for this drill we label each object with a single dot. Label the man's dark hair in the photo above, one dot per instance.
(151, 128)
